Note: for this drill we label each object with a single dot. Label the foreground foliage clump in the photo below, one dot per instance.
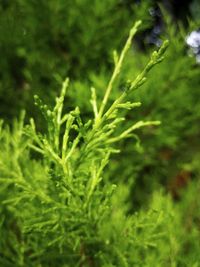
(58, 206)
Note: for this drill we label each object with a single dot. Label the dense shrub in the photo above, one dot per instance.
(67, 196)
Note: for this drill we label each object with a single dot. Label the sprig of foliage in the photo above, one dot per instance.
(62, 203)
(95, 135)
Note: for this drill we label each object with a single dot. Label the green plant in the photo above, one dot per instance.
(170, 95)
(58, 208)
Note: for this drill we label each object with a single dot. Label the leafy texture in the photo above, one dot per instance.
(60, 207)
(68, 195)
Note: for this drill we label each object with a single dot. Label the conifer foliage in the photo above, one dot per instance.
(59, 205)
(56, 207)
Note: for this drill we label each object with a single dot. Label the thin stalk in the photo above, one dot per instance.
(116, 71)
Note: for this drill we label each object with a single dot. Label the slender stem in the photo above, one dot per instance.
(117, 70)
